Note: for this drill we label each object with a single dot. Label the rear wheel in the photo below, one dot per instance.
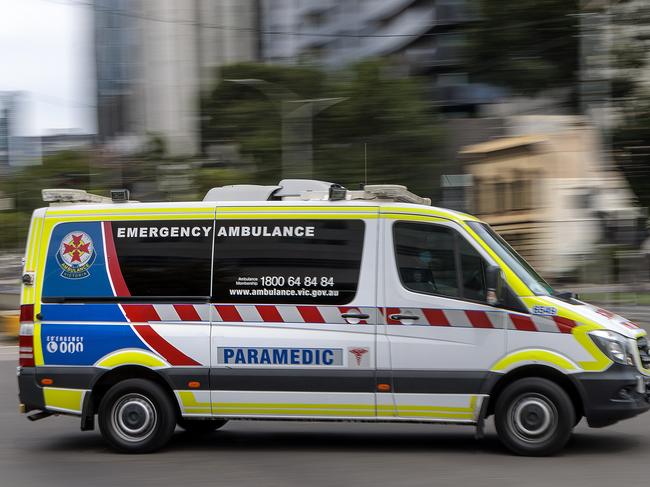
(534, 416)
(201, 426)
(136, 416)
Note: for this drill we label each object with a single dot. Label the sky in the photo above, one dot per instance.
(46, 51)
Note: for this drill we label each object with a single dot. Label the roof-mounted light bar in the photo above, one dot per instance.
(395, 192)
(71, 196)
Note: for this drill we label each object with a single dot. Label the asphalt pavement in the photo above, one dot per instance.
(54, 452)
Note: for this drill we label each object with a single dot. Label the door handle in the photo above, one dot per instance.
(359, 316)
(403, 317)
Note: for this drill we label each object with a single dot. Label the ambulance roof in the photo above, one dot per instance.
(292, 194)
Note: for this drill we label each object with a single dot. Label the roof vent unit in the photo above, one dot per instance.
(297, 188)
(241, 192)
(57, 197)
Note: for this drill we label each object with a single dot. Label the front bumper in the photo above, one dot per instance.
(30, 393)
(620, 392)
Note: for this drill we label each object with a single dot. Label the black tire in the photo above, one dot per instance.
(136, 416)
(201, 426)
(534, 417)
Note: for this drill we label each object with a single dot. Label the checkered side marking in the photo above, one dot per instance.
(460, 318)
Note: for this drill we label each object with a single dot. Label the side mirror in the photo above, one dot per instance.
(494, 284)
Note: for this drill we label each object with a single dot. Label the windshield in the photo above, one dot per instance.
(512, 259)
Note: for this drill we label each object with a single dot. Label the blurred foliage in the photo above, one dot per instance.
(235, 112)
(390, 114)
(632, 148)
(13, 229)
(527, 46)
(67, 169)
(209, 177)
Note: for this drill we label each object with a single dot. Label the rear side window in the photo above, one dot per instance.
(165, 258)
(287, 261)
(433, 259)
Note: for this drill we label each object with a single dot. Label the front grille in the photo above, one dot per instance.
(644, 352)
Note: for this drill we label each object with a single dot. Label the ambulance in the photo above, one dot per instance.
(307, 301)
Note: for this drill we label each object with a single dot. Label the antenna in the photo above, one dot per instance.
(365, 163)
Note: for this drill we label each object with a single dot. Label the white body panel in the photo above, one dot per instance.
(415, 345)
(296, 332)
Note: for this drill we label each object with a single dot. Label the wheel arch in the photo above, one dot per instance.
(113, 376)
(498, 382)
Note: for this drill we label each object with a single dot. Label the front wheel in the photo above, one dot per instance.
(136, 416)
(534, 417)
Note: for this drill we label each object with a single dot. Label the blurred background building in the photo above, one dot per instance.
(16, 148)
(547, 190)
(426, 36)
(153, 58)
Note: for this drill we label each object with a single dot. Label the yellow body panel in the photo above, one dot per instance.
(131, 357)
(535, 356)
(67, 400)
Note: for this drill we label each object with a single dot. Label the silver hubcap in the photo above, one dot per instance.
(532, 418)
(134, 417)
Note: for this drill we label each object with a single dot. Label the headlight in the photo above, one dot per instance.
(614, 345)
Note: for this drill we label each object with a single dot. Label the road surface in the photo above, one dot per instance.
(53, 452)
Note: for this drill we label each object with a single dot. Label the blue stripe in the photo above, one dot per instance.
(82, 312)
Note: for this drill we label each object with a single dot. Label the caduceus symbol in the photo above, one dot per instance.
(358, 353)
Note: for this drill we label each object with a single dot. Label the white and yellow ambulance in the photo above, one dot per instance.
(307, 301)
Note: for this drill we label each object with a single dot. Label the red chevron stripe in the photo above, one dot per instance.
(140, 313)
(228, 313)
(114, 271)
(565, 325)
(479, 319)
(172, 354)
(269, 314)
(435, 317)
(187, 312)
(523, 323)
(310, 314)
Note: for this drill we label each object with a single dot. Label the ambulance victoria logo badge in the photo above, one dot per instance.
(76, 255)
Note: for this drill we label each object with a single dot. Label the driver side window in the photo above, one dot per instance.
(433, 259)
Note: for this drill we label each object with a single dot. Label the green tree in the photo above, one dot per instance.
(67, 169)
(631, 140)
(527, 46)
(388, 114)
(234, 112)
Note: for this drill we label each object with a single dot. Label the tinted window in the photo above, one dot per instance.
(425, 258)
(287, 261)
(473, 271)
(165, 258)
(434, 259)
